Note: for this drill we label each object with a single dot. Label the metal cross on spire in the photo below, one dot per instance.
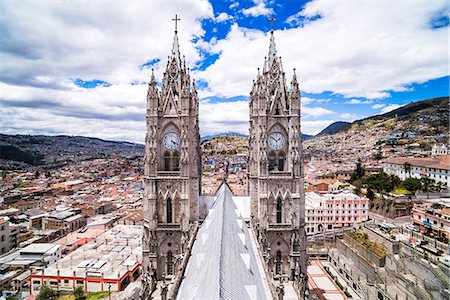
(272, 20)
(176, 23)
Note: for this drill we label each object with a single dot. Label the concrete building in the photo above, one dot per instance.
(8, 235)
(110, 261)
(68, 219)
(433, 218)
(436, 167)
(334, 210)
(439, 150)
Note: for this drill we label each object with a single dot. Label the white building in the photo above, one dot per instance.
(334, 210)
(110, 261)
(436, 167)
(439, 150)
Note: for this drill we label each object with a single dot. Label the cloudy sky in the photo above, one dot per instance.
(82, 67)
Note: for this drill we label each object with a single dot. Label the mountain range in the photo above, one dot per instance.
(439, 106)
(425, 118)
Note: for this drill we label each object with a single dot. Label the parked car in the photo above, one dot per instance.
(412, 227)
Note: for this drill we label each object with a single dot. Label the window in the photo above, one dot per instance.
(36, 282)
(176, 161)
(167, 161)
(80, 282)
(272, 161)
(278, 262)
(279, 210)
(281, 159)
(169, 263)
(169, 210)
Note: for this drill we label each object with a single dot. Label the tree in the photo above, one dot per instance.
(412, 185)
(407, 168)
(427, 184)
(358, 173)
(378, 155)
(370, 194)
(46, 293)
(79, 293)
(395, 180)
(379, 182)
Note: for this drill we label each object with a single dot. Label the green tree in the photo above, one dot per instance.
(427, 185)
(412, 185)
(79, 293)
(46, 293)
(379, 182)
(378, 155)
(395, 180)
(370, 194)
(407, 168)
(358, 173)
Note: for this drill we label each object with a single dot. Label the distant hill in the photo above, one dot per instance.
(229, 133)
(18, 151)
(335, 127)
(412, 112)
(227, 144)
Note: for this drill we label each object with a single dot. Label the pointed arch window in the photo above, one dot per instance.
(272, 161)
(169, 263)
(167, 161)
(169, 212)
(278, 262)
(279, 211)
(176, 161)
(281, 159)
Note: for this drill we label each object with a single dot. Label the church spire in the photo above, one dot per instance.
(175, 45)
(272, 57)
(272, 49)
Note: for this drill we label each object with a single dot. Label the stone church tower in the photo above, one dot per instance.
(276, 171)
(172, 169)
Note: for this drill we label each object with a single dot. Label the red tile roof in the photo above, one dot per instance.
(435, 162)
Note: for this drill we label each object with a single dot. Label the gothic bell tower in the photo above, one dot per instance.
(172, 168)
(276, 171)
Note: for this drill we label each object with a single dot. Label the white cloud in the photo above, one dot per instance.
(314, 127)
(222, 17)
(95, 40)
(316, 111)
(357, 50)
(348, 116)
(234, 5)
(377, 106)
(389, 108)
(223, 117)
(358, 101)
(259, 9)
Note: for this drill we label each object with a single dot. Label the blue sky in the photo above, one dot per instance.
(84, 70)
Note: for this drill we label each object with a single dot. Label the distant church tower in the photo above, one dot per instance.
(276, 171)
(172, 168)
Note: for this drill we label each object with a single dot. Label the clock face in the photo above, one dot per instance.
(276, 140)
(171, 140)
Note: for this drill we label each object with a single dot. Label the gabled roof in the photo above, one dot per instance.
(223, 264)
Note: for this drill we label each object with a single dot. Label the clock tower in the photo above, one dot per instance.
(172, 169)
(276, 171)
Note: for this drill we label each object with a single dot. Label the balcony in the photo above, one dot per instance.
(168, 226)
(279, 226)
(169, 173)
(280, 173)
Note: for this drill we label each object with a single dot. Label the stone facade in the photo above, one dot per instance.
(276, 185)
(172, 169)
